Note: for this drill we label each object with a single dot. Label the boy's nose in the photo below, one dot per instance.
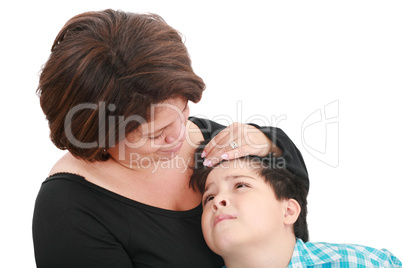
(221, 202)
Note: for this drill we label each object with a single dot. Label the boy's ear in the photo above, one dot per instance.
(292, 211)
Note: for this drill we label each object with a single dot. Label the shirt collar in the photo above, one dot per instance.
(307, 255)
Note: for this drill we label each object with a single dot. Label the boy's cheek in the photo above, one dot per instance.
(205, 222)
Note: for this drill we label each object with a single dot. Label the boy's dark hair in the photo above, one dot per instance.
(284, 183)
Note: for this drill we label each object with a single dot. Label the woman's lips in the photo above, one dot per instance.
(223, 217)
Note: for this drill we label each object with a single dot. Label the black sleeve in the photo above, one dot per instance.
(208, 128)
(67, 231)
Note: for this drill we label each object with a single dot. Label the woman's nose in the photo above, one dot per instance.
(176, 132)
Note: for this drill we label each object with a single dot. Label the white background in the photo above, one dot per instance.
(281, 59)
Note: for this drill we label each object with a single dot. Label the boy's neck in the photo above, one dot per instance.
(276, 256)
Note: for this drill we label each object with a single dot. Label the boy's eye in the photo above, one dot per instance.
(208, 198)
(242, 185)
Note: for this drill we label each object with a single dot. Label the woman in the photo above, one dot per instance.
(115, 91)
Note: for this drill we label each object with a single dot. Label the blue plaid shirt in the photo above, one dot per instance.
(340, 255)
(325, 255)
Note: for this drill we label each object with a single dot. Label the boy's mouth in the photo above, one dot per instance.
(222, 217)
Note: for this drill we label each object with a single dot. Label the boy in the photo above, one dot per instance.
(255, 216)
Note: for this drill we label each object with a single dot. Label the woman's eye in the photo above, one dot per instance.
(156, 137)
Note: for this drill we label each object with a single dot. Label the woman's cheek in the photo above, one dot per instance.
(186, 113)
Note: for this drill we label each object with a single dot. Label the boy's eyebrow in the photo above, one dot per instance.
(229, 177)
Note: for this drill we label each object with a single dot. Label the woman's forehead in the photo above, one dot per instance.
(170, 105)
(162, 114)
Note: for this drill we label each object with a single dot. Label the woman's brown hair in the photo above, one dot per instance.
(111, 64)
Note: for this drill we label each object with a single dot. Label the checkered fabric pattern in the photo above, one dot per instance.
(327, 255)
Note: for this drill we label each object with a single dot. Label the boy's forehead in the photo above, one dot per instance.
(239, 164)
(236, 167)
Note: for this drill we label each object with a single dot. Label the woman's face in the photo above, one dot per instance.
(159, 139)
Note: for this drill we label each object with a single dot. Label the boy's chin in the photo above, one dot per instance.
(225, 245)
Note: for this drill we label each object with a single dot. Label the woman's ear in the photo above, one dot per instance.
(292, 211)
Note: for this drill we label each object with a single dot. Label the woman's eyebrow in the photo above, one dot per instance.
(155, 131)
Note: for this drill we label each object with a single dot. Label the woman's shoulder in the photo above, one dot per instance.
(65, 192)
(70, 174)
(208, 127)
(68, 164)
(65, 180)
(204, 123)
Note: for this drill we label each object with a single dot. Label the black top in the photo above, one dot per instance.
(79, 224)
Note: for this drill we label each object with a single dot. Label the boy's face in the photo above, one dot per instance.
(240, 208)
